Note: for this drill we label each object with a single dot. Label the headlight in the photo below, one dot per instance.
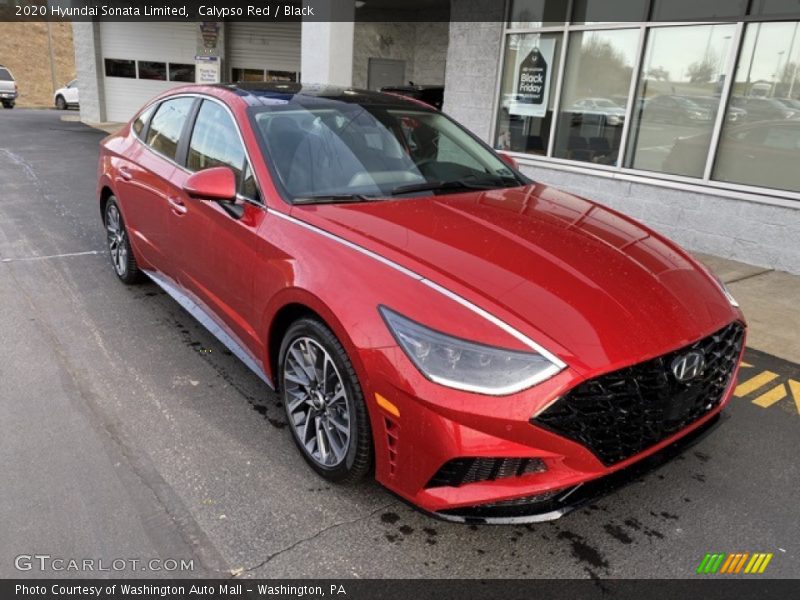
(466, 365)
(726, 291)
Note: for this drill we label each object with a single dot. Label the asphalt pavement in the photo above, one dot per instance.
(128, 432)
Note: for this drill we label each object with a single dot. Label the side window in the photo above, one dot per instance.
(167, 124)
(249, 189)
(139, 123)
(215, 143)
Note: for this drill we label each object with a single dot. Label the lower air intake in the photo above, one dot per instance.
(462, 471)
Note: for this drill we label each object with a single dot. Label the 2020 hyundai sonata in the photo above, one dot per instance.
(495, 349)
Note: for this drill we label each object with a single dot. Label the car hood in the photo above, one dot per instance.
(594, 287)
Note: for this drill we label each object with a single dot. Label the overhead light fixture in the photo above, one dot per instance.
(360, 3)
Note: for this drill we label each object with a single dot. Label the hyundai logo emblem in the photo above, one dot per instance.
(688, 366)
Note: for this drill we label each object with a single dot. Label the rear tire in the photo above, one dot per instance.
(61, 104)
(119, 245)
(324, 402)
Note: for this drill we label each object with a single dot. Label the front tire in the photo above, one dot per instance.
(8, 105)
(119, 245)
(61, 104)
(324, 402)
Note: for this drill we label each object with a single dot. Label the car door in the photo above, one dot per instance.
(71, 93)
(145, 175)
(215, 244)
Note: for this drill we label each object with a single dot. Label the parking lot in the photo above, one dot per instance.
(128, 431)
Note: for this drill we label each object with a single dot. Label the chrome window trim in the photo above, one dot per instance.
(513, 332)
(238, 133)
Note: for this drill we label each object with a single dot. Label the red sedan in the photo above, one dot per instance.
(494, 349)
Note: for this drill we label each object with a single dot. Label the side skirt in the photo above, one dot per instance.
(208, 321)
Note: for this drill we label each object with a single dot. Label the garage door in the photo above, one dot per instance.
(264, 50)
(139, 57)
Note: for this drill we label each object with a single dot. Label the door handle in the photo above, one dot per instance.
(125, 173)
(177, 205)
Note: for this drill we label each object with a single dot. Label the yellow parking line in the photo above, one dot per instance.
(795, 388)
(752, 384)
(769, 398)
(746, 364)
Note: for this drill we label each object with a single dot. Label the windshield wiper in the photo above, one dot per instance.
(456, 184)
(332, 199)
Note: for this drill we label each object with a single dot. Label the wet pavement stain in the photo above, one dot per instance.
(618, 533)
(702, 456)
(390, 518)
(263, 409)
(582, 551)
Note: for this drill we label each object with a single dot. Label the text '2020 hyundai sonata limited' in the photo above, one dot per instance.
(496, 350)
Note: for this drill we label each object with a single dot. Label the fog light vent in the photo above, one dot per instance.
(461, 471)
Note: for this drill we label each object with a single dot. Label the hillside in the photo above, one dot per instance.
(24, 51)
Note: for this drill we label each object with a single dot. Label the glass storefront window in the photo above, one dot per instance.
(597, 81)
(694, 10)
(603, 11)
(678, 98)
(247, 74)
(527, 91)
(526, 14)
(760, 141)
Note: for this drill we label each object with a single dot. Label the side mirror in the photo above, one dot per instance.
(509, 160)
(216, 183)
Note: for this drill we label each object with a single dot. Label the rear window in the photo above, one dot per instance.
(5, 75)
(139, 123)
(167, 124)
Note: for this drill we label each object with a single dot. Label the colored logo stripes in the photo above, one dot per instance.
(732, 564)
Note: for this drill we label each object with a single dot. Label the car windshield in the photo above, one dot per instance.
(338, 151)
(5, 75)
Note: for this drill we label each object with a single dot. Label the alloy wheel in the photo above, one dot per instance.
(316, 402)
(115, 234)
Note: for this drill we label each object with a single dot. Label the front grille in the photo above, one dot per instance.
(620, 414)
(461, 471)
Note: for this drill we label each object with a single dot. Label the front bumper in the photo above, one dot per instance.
(8, 95)
(567, 500)
(434, 427)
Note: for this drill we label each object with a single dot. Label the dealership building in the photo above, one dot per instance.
(684, 114)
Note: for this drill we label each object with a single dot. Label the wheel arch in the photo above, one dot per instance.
(105, 193)
(293, 304)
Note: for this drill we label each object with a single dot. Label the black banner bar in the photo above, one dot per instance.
(705, 587)
(383, 10)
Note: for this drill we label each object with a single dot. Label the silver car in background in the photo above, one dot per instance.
(8, 88)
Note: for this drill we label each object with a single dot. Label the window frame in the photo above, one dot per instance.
(180, 149)
(245, 161)
(188, 131)
(705, 183)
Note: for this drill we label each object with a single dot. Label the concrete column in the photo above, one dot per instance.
(473, 63)
(89, 68)
(327, 46)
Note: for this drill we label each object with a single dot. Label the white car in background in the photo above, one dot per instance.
(66, 96)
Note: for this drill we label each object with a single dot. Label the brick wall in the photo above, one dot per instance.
(473, 58)
(751, 232)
